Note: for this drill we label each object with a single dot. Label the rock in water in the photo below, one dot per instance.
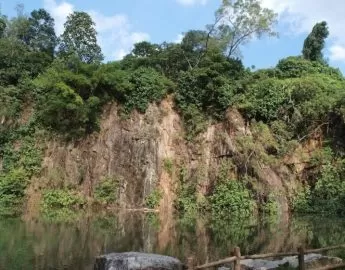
(136, 261)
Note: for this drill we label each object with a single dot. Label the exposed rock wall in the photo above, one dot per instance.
(136, 149)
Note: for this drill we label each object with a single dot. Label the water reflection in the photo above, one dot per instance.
(50, 243)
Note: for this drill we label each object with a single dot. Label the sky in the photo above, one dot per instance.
(121, 23)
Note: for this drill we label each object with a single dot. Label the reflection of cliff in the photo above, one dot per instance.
(41, 245)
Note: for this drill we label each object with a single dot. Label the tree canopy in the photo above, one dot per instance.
(80, 39)
(315, 42)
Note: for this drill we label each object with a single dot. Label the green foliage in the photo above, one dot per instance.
(168, 165)
(326, 195)
(237, 22)
(41, 32)
(79, 39)
(20, 161)
(232, 198)
(2, 26)
(146, 85)
(106, 190)
(295, 67)
(270, 206)
(61, 215)
(315, 42)
(12, 186)
(21, 63)
(186, 199)
(266, 99)
(153, 199)
(204, 92)
(60, 198)
(11, 101)
(61, 108)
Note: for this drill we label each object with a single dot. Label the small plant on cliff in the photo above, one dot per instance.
(152, 201)
(168, 166)
(106, 190)
(186, 199)
(270, 206)
(301, 202)
(232, 198)
(20, 163)
(12, 186)
(60, 198)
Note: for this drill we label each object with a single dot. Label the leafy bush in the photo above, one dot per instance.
(60, 198)
(270, 206)
(327, 196)
(153, 199)
(294, 67)
(266, 100)
(106, 190)
(146, 85)
(232, 198)
(12, 186)
(186, 199)
(168, 166)
(20, 163)
(200, 94)
(61, 109)
(27, 156)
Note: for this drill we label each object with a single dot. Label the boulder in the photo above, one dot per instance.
(136, 261)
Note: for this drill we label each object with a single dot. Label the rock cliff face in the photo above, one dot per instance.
(137, 150)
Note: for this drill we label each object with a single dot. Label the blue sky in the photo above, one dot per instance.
(120, 23)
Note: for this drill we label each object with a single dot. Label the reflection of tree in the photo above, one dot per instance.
(14, 252)
(54, 244)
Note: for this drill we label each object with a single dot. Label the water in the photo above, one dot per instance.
(72, 242)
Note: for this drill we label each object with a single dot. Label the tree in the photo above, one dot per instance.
(41, 32)
(315, 42)
(239, 21)
(79, 39)
(18, 27)
(145, 49)
(3, 25)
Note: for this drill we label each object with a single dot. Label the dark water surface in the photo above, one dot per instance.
(67, 242)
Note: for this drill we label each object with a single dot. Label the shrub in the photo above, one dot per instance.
(301, 201)
(186, 199)
(12, 186)
(294, 67)
(60, 198)
(146, 85)
(168, 166)
(232, 198)
(270, 206)
(152, 200)
(106, 190)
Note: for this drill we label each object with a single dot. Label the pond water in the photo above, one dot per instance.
(72, 242)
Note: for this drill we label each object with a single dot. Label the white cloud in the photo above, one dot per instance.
(59, 13)
(301, 15)
(192, 2)
(179, 38)
(337, 53)
(115, 35)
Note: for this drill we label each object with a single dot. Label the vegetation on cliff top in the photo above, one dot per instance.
(63, 83)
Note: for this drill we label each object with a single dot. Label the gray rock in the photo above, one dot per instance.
(136, 261)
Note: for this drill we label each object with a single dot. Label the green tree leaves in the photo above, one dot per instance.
(80, 39)
(315, 42)
(41, 31)
(237, 22)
